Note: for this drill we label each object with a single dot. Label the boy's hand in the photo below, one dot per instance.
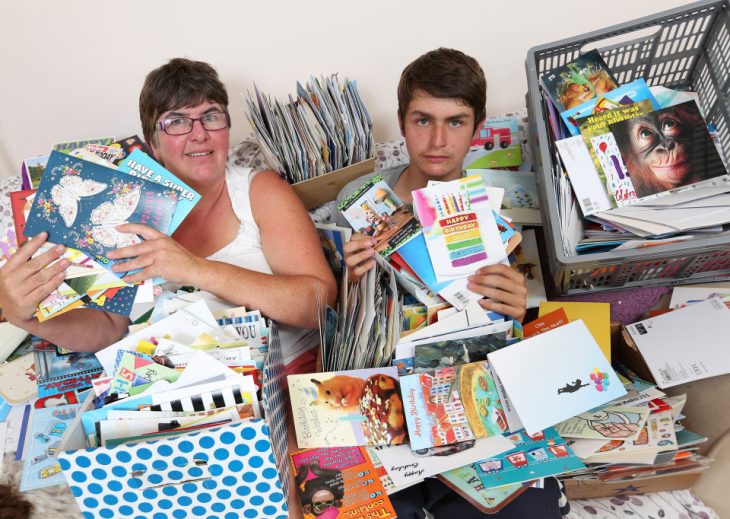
(504, 290)
(359, 253)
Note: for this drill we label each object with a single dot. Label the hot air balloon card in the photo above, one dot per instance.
(80, 204)
(539, 455)
(375, 210)
(556, 375)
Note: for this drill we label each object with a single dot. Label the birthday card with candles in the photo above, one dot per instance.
(459, 226)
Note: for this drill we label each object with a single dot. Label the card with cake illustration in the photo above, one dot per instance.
(459, 227)
(452, 405)
(80, 204)
(348, 408)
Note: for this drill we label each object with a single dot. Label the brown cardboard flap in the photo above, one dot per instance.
(593, 488)
(625, 351)
(320, 190)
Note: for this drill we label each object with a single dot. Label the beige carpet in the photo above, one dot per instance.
(47, 503)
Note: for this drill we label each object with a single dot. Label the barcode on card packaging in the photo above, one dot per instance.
(666, 375)
(461, 298)
(587, 205)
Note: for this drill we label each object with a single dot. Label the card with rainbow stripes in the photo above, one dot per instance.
(459, 226)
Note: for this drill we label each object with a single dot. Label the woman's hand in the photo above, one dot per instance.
(25, 281)
(158, 256)
(359, 253)
(504, 290)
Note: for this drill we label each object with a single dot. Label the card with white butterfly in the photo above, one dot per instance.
(80, 204)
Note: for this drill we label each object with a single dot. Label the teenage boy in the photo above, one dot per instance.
(441, 103)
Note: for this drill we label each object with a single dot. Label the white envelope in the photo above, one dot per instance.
(700, 190)
(687, 344)
(405, 468)
(589, 190)
(471, 316)
(183, 326)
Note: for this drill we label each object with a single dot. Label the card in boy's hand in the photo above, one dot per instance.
(80, 204)
(459, 227)
(347, 408)
(375, 210)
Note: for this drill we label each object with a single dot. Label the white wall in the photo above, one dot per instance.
(73, 69)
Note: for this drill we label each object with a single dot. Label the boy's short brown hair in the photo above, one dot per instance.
(179, 83)
(444, 73)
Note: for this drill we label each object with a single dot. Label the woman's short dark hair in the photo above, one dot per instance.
(179, 83)
(444, 73)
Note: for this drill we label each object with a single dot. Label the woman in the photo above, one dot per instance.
(248, 241)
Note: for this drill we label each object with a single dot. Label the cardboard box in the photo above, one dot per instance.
(707, 410)
(595, 488)
(320, 190)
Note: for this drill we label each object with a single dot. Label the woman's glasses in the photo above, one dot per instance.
(181, 125)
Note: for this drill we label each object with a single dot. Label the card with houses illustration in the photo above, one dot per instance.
(556, 375)
(537, 455)
(347, 408)
(80, 204)
(450, 405)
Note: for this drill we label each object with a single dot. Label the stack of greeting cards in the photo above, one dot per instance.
(80, 199)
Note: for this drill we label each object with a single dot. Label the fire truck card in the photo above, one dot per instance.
(496, 144)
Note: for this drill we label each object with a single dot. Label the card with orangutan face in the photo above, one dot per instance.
(667, 149)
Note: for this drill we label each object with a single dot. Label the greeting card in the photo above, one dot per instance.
(80, 204)
(459, 227)
(556, 375)
(348, 408)
(537, 455)
(581, 80)
(141, 165)
(452, 405)
(339, 482)
(376, 211)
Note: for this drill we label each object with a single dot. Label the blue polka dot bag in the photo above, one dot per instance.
(223, 473)
(228, 472)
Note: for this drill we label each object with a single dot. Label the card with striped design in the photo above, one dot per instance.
(459, 227)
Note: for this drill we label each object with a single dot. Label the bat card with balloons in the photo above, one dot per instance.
(556, 375)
